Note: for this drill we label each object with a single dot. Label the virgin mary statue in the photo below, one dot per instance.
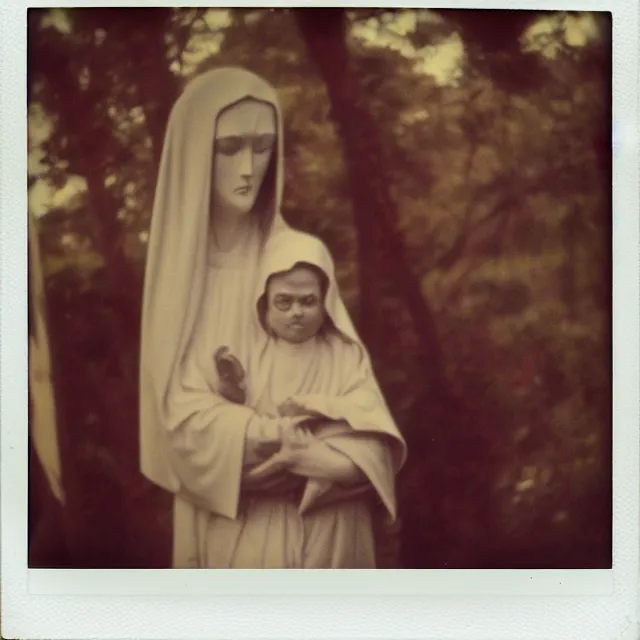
(217, 204)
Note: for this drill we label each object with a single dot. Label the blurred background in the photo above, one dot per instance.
(457, 164)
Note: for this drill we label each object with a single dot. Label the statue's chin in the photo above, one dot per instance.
(235, 206)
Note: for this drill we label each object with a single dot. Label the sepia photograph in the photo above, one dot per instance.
(321, 288)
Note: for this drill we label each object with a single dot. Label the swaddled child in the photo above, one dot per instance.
(309, 368)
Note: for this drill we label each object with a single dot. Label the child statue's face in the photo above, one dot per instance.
(295, 309)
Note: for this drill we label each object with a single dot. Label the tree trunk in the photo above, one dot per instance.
(384, 271)
(51, 477)
(381, 250)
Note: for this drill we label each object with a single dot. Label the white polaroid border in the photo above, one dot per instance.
(320, 604)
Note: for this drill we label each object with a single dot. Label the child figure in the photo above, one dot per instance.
(309, 367)
(292, 312)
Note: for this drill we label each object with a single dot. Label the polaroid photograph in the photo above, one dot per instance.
(320, 288)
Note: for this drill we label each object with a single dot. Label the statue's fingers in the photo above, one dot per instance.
(220, 352)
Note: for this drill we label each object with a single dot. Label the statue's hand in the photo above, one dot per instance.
(272, 477)
(296, 406)
(289, 409)
(231, 378)
(231, 391)
(264, 450)
(310, 457)
(272, 466)
(294, 440)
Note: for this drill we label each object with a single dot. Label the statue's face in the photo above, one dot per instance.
(295, 310)
(245, 141)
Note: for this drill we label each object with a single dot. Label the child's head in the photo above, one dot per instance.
(292, 307)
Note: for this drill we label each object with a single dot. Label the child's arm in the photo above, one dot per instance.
(331, 476)
(305, 455)
(311, 457)
(351, 424)
(320, 424)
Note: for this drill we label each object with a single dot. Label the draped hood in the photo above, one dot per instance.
(178, 243)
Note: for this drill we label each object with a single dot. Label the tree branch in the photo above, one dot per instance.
(451, 255)
(183, 34)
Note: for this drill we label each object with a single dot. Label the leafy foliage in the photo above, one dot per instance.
(497, 184)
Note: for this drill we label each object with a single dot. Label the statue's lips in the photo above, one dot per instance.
(242, 190)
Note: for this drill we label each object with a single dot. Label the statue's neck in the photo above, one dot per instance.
(229, 229)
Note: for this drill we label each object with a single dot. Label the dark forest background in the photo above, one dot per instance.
(470, 220)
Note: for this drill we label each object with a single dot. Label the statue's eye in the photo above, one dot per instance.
(229, 145)
(263, 143)
(283, 303)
